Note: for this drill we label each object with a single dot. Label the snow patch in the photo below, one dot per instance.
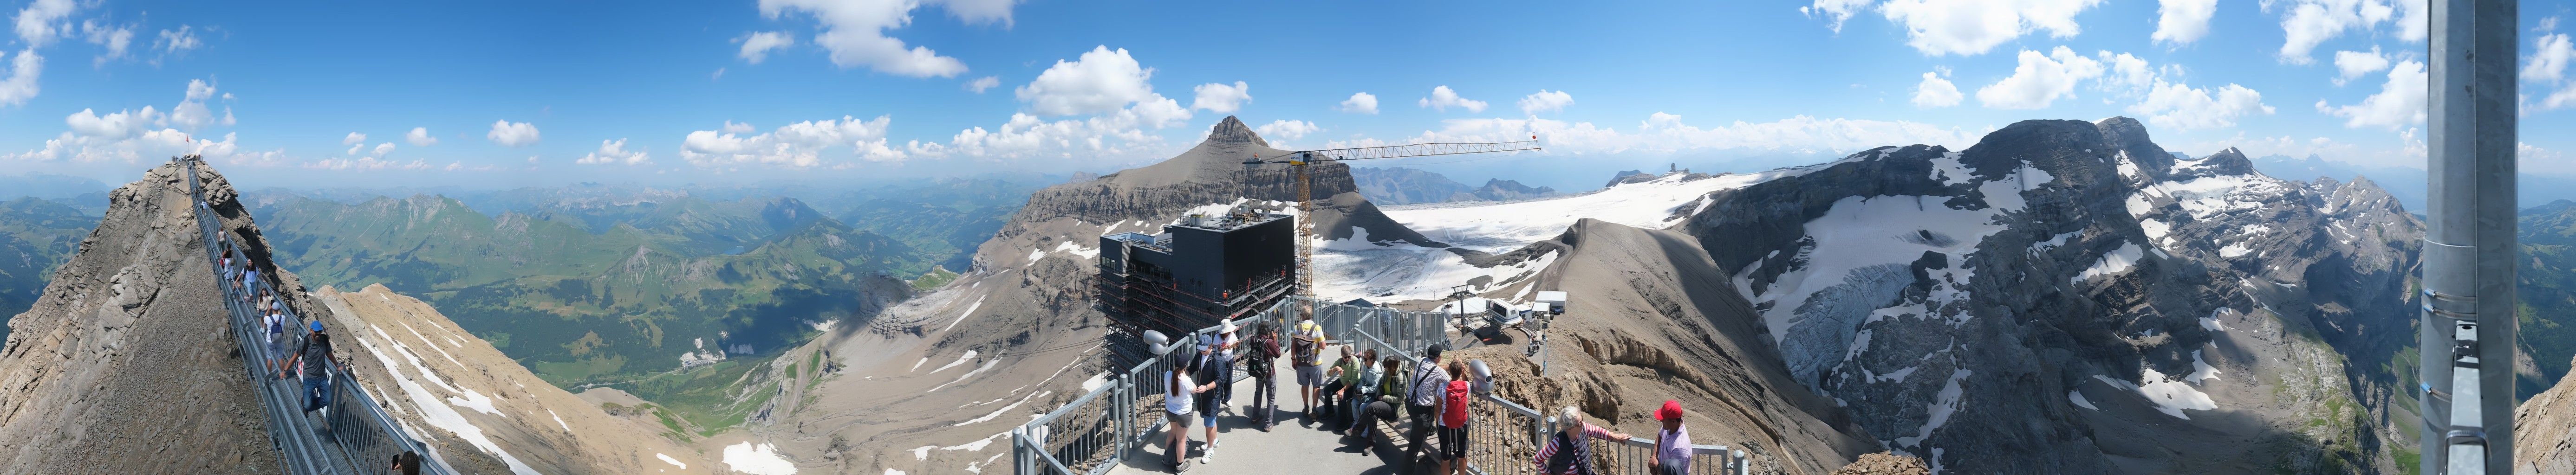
(961, 359)
(760, 459)
(2232, 251)
(567, 427)
(970, 310)
(922, 452)
(2077, 397)
(2053, 242)
(667, 459)
(1942, 406)
(432, 411)
(2201, 371)
(2112, 263)
(1096, 381)
(2172, 397)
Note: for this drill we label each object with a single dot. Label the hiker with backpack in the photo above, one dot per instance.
(314, 359)
(1306, 357)
(1569, 450)
(1454, 401)
(1261, 358)
(1422, 397)
(1672, 444)
(275, 322)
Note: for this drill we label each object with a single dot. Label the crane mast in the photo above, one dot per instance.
(1299, 161)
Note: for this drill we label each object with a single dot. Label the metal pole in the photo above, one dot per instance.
(2467, 364)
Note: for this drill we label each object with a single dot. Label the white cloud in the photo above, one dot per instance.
(2351, 65)
(419, 137)
(178, 41)
(2040, 80)
(2312, 22)
(854, 31)
(21, 84)
(1443, 98)
(43, 21)
(1835, 11)
(512, 134)
(799, 144)
(979, 85)
(1099, 81)
(1545, 101)
(756, 46)
(1221, 98)
(1278, 130)
(354, 138)
(2181, 107)
(2400, 102)
(1666, 133)
(2127, 74)
(115, 39)
(1936, 92)
(2547, 66)
(2416, 20)
(382, 149)
(124, 135)
(2183, 21)
(1968, 27)
(1360, 102)
(366, 164)
(192, 113)
(614, 152)
(732, 127)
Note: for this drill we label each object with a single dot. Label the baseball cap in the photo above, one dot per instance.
(317, 325)
(1672, 411)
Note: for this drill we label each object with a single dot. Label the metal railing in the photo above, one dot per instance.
(356, 436)
(1095, 432)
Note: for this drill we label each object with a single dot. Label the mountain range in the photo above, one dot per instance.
(1398, 186)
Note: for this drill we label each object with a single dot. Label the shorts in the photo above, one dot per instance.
(1453, 443)
(1310, 376)
(1209, 417)
(1182, 420)
(276, 344)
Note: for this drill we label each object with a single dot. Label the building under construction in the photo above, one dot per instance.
(1199, 272)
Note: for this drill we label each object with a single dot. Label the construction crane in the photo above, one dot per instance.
(1299, 160)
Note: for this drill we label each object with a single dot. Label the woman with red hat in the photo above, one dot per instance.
(1673, 444)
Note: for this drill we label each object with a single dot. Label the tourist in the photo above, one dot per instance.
(407, 463)
(1390, 381)
(250, 277)
(1422, 395)
(1569, 450)
(1672, 444)
(276, 324)
(1177, 391)
(315, 358)
(1338, 377)
(1361, 388)
(1214, 373)
(1261, 361)
(1306, 357)
(1227, 340)
(1454, 400)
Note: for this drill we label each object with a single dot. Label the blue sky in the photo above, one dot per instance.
(546, 93)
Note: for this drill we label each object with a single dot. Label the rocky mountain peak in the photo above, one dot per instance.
(1232, 130)
(2227, 162)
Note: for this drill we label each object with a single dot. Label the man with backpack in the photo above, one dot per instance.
(1422, 397)
(1306, 356)
(315, 360)
(276, 325)
(1569, 450)
(1260, 361)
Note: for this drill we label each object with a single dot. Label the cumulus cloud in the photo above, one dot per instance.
(1099, 81)
(1442, 98)
(613, 152)
(44, 21)
(1667, 133)
(979, 85)
(512, 134)
(800, 144)
(365, 164)
(1278, 130)
(756, 46)
(732, 127)
(1835, 11)
(2547, 66)
(2182, 107)
(854, 32)
(1545, 101)
(2040, 80)
(21, 83)
(383, 148)
(1359, 103)
(419, 137)
(178, 41)
(114, 39)
(2183, 21)
(1221, 98)
(2400, 102)
(2350, 65)
(1967, 27)
(2307, 23)
(1936, 92)
(354, 138)
(133, 135)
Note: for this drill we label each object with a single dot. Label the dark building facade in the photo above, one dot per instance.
(1197, 273)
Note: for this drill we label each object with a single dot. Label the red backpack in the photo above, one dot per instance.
(1453, 414)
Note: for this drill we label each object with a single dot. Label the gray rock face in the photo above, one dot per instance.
(1508, 190)
(1397, 186)
(2068, 297)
